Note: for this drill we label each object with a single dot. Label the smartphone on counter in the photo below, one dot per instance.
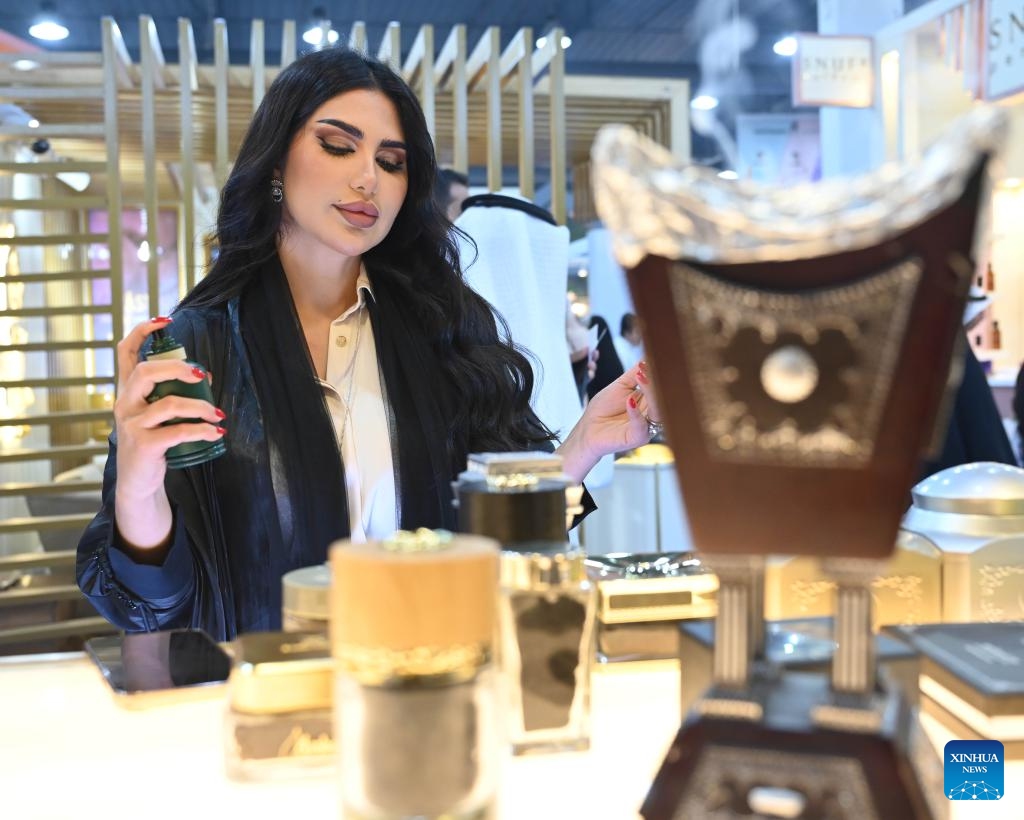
(150, 668)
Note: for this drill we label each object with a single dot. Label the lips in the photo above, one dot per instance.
(359, 214)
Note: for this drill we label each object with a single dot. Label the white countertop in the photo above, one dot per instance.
(69, 752)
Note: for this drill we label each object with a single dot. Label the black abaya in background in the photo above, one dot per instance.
(609, 368)
(976, 431)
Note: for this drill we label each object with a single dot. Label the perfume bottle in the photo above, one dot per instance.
(188, 453)
(546, 622)
(416, 698)
(997, 336)
(547, 608)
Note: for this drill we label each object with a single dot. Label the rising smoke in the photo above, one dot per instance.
(722, 32)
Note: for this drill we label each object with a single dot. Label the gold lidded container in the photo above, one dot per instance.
(973, 515)
(412, 629)
(530, 486)
(280, 720)
(305, 596)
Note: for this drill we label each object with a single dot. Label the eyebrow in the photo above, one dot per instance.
(348, 128)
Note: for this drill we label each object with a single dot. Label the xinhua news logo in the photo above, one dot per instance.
(973, 770)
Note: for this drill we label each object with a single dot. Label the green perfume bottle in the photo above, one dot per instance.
(188, 453)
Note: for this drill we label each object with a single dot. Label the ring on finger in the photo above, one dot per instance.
(654, 428)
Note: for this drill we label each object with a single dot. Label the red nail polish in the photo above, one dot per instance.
(222, 430)
(220, 413)
(632, 402)
(198, 372)
(641, 377)
(643, 365)
(163, 319)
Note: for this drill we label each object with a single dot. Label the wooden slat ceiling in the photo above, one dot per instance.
(584, 116)
(620, 38)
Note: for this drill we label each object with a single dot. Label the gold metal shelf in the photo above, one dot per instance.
(51, 453)
(21, 488)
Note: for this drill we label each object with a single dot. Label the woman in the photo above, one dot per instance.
(352, 369)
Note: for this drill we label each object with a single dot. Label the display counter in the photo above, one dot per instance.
(69, 751)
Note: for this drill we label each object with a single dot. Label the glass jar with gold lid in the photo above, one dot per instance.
(305, 594)
(973, 514)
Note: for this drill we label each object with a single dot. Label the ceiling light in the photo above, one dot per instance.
(550, 25)
(47, 26)
(786, 47)
(24, 65)
(704, 102)
(728, 174)
(48, 30)
(543, 41)
(33, 123)
(314, 35)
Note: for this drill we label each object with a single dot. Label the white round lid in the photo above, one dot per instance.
(983, 488)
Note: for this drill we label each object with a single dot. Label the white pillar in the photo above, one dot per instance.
(606, 284)
(853, 139)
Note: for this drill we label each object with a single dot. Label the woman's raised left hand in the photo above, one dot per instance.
(616, 419)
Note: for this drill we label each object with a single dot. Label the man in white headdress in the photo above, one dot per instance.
(521, 266)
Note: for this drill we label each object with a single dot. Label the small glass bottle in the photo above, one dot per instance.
(547, 608)
(188, 453)
(280, 722)
(412, 627)
(997, 336)
(547, 647)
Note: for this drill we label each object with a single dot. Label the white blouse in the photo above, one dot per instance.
(355, 399)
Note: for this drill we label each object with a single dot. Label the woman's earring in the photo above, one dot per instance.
(276, 190)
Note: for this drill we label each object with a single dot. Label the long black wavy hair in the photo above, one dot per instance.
(491, 378)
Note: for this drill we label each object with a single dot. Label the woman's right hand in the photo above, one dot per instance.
(141, 506)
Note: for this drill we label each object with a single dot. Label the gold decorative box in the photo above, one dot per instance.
(909, 592)
(974, 516)
(642, 596)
